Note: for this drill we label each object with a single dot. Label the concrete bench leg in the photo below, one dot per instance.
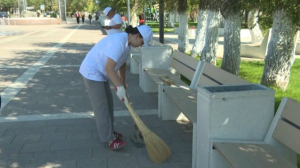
(194, 150)
(160, 92)
(168, 109)
(134, 65)
(141, 82)
(146, 82)
(128, 60)
(217, 160)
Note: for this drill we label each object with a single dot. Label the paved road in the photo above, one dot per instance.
(47, 119)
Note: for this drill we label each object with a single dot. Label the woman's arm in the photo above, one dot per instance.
(122, 72)
(110, 70)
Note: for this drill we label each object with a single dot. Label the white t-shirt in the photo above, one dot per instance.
(114, 21)
(115, 47)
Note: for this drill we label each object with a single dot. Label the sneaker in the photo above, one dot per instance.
(118, 135)
(117, 144)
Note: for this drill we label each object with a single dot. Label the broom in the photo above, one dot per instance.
(157, 149)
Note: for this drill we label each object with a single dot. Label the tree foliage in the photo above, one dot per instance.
(35, 3)
(268, 8)
(6, 5)
(121, 5)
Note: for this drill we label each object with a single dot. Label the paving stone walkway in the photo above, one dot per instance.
(47, 119)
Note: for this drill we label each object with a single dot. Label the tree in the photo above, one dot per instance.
(281, 49)
(201, 28)
(133, 11)
(208, 53)
(35, 3)
(230, 10)
(121, 5)
(183, 39)
(172, 13)
(255, 31)
(7, 5)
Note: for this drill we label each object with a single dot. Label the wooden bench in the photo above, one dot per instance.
(278, 150)
(256, 50)
(151, 76)
(180, 102)
(260, 50)
(174, 100)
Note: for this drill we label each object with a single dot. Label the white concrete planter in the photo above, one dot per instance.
(236, 112)
(154, 57)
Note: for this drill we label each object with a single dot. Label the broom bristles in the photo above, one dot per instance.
(157, 149)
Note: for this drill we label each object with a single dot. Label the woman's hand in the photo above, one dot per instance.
(121, 93)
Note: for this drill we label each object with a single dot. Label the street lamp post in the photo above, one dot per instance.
(128, 10)
(161, 21)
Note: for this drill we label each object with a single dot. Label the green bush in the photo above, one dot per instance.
(53, 15)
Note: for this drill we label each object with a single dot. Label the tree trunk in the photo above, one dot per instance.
(255, 31)
(183, 38)
(133, 19)
(200, 35)
(208, 53)
(172, 15)
(232, 44)
(280, 53)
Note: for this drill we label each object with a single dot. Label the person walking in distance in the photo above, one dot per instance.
(115, 24)
(100, 65)
(77, 16)
(82, 17)
(141, 18)
(90, 18)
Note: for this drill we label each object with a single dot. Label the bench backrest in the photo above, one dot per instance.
(184, 64)
(210, 75)
(266, 40)
(287, 130)
(214, 76)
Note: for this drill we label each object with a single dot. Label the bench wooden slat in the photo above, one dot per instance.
(205, 81)
(291, 111)
(241, 155)
(182, 69)
(220, 76)
(288, 135)
(156, 75)
(186, 99)
(184, 64)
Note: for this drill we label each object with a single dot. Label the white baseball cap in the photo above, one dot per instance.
(106, 10)
(146, 32)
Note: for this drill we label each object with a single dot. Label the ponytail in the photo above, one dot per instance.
(132, 30)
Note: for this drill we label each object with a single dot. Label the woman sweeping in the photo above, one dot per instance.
(100, 65)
